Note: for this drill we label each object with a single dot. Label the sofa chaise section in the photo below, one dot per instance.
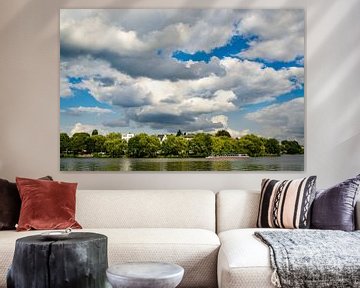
(244, 260)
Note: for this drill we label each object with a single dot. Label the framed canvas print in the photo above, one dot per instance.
(181, 89)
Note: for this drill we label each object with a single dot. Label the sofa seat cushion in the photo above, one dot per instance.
(194, 249)
(244, 261)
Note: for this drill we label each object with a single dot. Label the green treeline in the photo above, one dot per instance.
(179, 145)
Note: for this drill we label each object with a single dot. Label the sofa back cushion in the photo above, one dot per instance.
(146, 209)
(236, 209)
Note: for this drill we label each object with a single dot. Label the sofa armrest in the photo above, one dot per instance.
(357, 215)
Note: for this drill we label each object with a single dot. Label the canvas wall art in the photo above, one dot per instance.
(181, 89)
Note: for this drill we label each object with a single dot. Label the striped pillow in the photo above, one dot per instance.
(286, 204)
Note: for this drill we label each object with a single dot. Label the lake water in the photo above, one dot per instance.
(282, 163)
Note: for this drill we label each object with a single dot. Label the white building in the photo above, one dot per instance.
(162, 137)
(127, 136)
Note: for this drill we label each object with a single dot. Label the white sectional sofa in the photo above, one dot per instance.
(177, 226)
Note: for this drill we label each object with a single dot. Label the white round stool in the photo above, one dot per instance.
(145, 275)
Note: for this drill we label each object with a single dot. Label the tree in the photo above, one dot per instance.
(79, 142)
(94, 132)
(98, 143)
(179, 133)
(115, 147)
(229, 146)
(64, 143)
(200, 145)
(174, 146)
(113, 135)
(143, 146)
(223, 145)
(291, 147)
(221, 133)
(251, 145)
(217, 145)
(90, 145)
(272, 146)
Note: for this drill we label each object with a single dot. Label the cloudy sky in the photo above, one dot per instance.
(158, 71)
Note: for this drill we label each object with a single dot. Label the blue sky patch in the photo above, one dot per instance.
(236, 44)
(74, 80)
(299, 93)
(81, 97)
(277, 65)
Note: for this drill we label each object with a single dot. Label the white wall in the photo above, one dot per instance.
(29, 94)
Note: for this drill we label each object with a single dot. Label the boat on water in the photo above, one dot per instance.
(228, 157)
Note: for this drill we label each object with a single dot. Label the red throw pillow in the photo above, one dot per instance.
(10, 204)
(46, 204)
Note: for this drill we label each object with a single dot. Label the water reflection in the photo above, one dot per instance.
(283, 163)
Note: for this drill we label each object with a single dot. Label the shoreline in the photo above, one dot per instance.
(281, 163)
(161, 157)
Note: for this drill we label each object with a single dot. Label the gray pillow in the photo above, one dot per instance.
(334, 208)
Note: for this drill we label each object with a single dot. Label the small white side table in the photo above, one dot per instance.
(145, 275)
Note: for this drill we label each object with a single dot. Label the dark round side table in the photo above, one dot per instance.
(78, 261)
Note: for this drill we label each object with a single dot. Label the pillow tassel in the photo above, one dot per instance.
(275, 279)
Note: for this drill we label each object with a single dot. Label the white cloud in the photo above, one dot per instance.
(252, 82)
(224, 121)
(119, 94)
(280, 34)
(87, 66)
(282, 121)
(221, 100)
(221, 119)
(65, 90)
(130, 32)
(92, 34)
(87, 128)
(284, 49)
(94, 110)
(272, 23)
(123, 58)
(141, 42)
(139, 47)
(144, 99)
(238, 133)
(117, 123)
(103, 82)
